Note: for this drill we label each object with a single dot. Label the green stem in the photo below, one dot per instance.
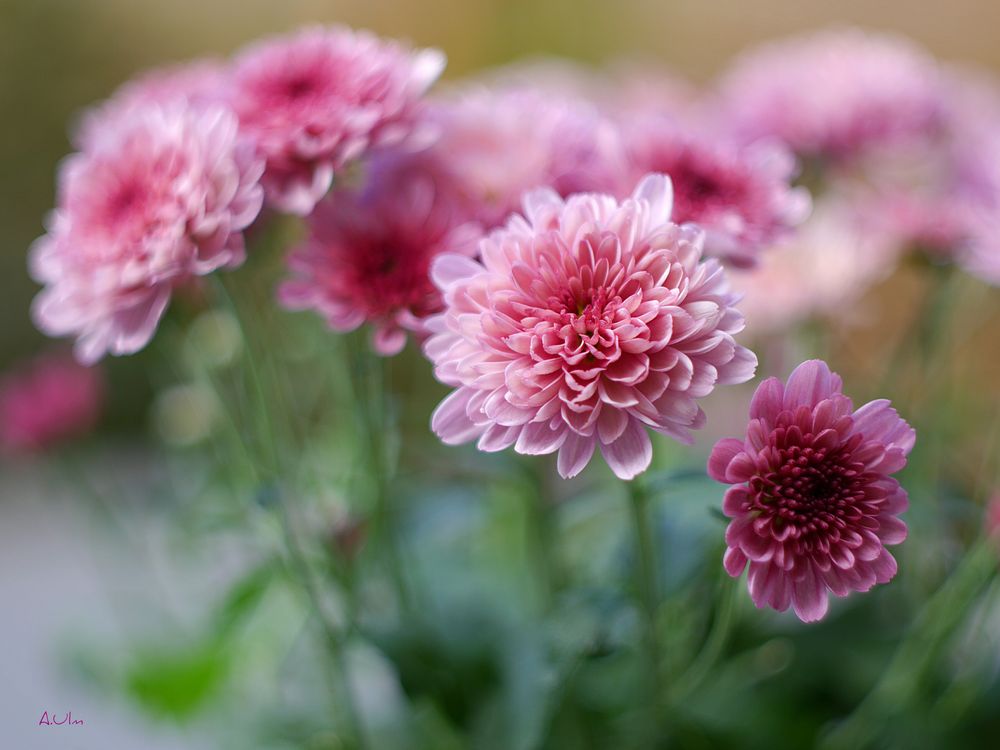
(710, 652)
(648, 593)
(540, 517)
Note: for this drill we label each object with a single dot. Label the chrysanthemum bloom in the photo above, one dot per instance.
(824, 270)
(586, 321)
(49, 399)
(368, 255)
(313, 101)
(813, 501)
(741, 197)
(835, 94)
(198, 84)
(497, 143)
(162, 199)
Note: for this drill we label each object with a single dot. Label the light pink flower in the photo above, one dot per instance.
(163, 198)
(812, 502)
(835, 94)
(368, 254)
(195, 84)
(586, 321)
(315, 100)
(46, 401)
(497, 143)
(741, 197)
(824, 270)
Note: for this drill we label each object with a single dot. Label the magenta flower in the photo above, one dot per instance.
(368, 254)
(741, 197)
(313, 101)
(46, 401)
(198, 84)
(162, 198)
(497, 143)
(813, 502)
(586, 321)
(835, 94)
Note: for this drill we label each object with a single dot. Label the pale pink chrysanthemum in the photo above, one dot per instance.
(824, 270)
(368, 254)
(497, 143)
(195, 84)
(812, 500)
(741, 196)
(835, 94)
(162, 199)
(313, 101)
(47, 400)
(586, 321)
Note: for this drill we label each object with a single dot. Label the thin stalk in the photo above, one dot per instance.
(648, 594)
(710, 652)
(540, 518)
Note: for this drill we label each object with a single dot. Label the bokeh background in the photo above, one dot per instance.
(57, 56)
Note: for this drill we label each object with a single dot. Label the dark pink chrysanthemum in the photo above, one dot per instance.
(50, 399)
(313, 101)
(195, 84)
(164, 197)
(741, 197)
(812, 502)
(497, 143)
(368, 254)
(835, 94)
(587, 321)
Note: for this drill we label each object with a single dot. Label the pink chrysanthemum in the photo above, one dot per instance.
(368, 255)
(196, 84)
(586, 321)
(48, 400)
(164, 197)
(316, 100)
(834, 94)
(498, 143)
(812, 502)
(741, 197)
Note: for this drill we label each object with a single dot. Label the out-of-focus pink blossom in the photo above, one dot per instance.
(498, 143)
(835, 94)
(993, 516)
(195, 84)
(824, 270)
(164, 197)
(586, 321)
(812, 500)
(741, 197)
(47, 400)
(368, 254)
(313, 101)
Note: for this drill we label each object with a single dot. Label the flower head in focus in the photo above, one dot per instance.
(164, 197)
(499, 142)
(586, 321)
(198, 84)
(741, 197)
(368, 254)
(812, 499)
(835, 94)
(48, 400)
(313, 101)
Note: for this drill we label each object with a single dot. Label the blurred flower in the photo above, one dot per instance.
(497, 143)
(993, 516)
(586, 321)
(196, 84)
(313, 101)
(164, 197)
(369, 252)
(835, 94)
(47, 400)
(741, 197)
(812, 502)
(828, 265)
